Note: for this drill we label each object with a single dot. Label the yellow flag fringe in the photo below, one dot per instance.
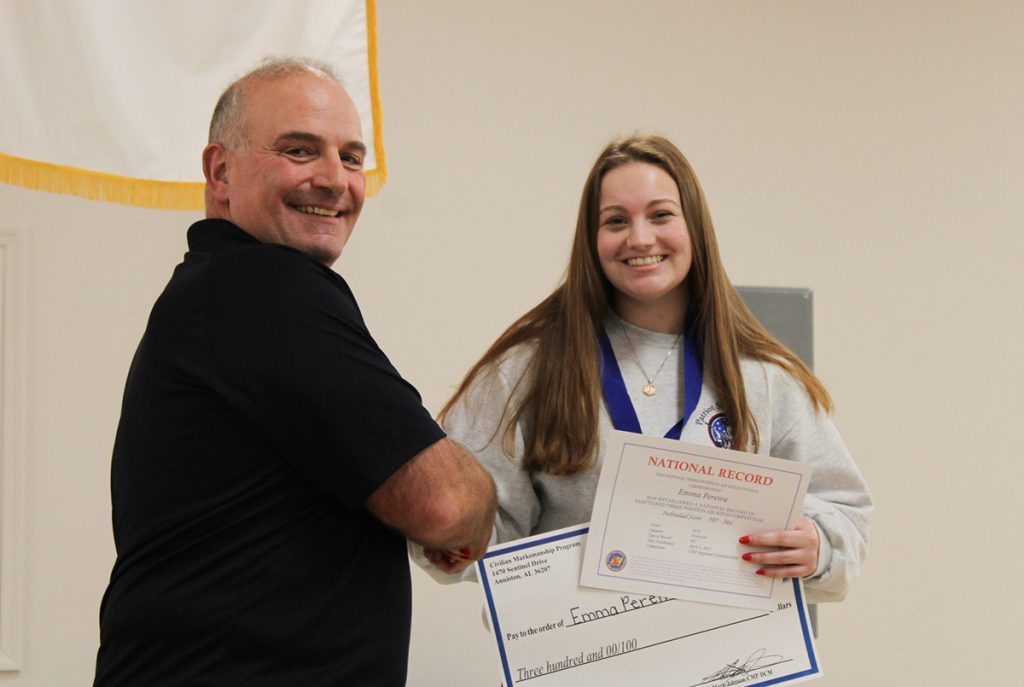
(111, 188)
(375, 178)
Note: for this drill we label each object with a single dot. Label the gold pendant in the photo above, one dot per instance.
(649, 390)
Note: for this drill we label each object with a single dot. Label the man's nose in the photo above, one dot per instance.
(331, 175)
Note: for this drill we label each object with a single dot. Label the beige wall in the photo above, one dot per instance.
(871, 151)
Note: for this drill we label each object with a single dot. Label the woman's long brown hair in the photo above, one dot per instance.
(561, 403)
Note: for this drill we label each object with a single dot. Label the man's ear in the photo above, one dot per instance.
(215, 169)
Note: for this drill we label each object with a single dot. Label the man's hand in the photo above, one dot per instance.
(454, 562)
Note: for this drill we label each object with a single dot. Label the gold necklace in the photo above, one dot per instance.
(649, 388)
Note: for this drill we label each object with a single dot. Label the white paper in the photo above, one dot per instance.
(551, 632)
(668, 517)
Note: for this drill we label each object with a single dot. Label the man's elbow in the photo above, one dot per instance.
(445, 515)
(456, 515)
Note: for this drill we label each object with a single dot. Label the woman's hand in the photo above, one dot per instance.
(451, 562)
(797, 553)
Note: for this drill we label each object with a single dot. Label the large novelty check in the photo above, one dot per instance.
(551, 632)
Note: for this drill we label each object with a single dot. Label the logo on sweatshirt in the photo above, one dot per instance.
(720, 432)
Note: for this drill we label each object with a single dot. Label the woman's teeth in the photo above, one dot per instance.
(649, 260)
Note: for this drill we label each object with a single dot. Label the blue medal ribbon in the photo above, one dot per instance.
(620, 408)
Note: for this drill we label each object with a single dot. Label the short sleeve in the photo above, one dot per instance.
(289, 350)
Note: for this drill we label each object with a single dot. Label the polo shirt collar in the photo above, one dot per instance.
(216, 235)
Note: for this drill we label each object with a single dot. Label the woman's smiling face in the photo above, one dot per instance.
(643, 243)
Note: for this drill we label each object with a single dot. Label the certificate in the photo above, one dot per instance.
(668, 517)
(551, 632)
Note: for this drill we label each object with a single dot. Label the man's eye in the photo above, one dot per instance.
(353, 161)
(297, 152)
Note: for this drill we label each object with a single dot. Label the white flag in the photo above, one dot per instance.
(111, 99)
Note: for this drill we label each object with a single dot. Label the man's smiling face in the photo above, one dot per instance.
(298, 177)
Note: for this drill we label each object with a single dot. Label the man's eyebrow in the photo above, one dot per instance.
(358, 146)
(299, 136)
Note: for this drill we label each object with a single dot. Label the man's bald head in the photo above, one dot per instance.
(228, 124)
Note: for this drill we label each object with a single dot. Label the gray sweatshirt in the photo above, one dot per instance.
(838, 501)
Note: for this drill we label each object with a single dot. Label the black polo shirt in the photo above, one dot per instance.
(258, 416)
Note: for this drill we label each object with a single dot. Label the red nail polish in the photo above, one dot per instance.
(744, 539)
(747, 556)
(760, 572)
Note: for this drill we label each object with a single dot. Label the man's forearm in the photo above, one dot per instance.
(442, 499)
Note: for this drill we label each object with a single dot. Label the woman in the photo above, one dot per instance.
(647, 334)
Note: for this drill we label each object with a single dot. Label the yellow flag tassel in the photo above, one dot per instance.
(376, 177)
(111, 188)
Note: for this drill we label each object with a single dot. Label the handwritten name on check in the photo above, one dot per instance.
(551, 632)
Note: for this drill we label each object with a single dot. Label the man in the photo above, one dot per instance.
(269, 459)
